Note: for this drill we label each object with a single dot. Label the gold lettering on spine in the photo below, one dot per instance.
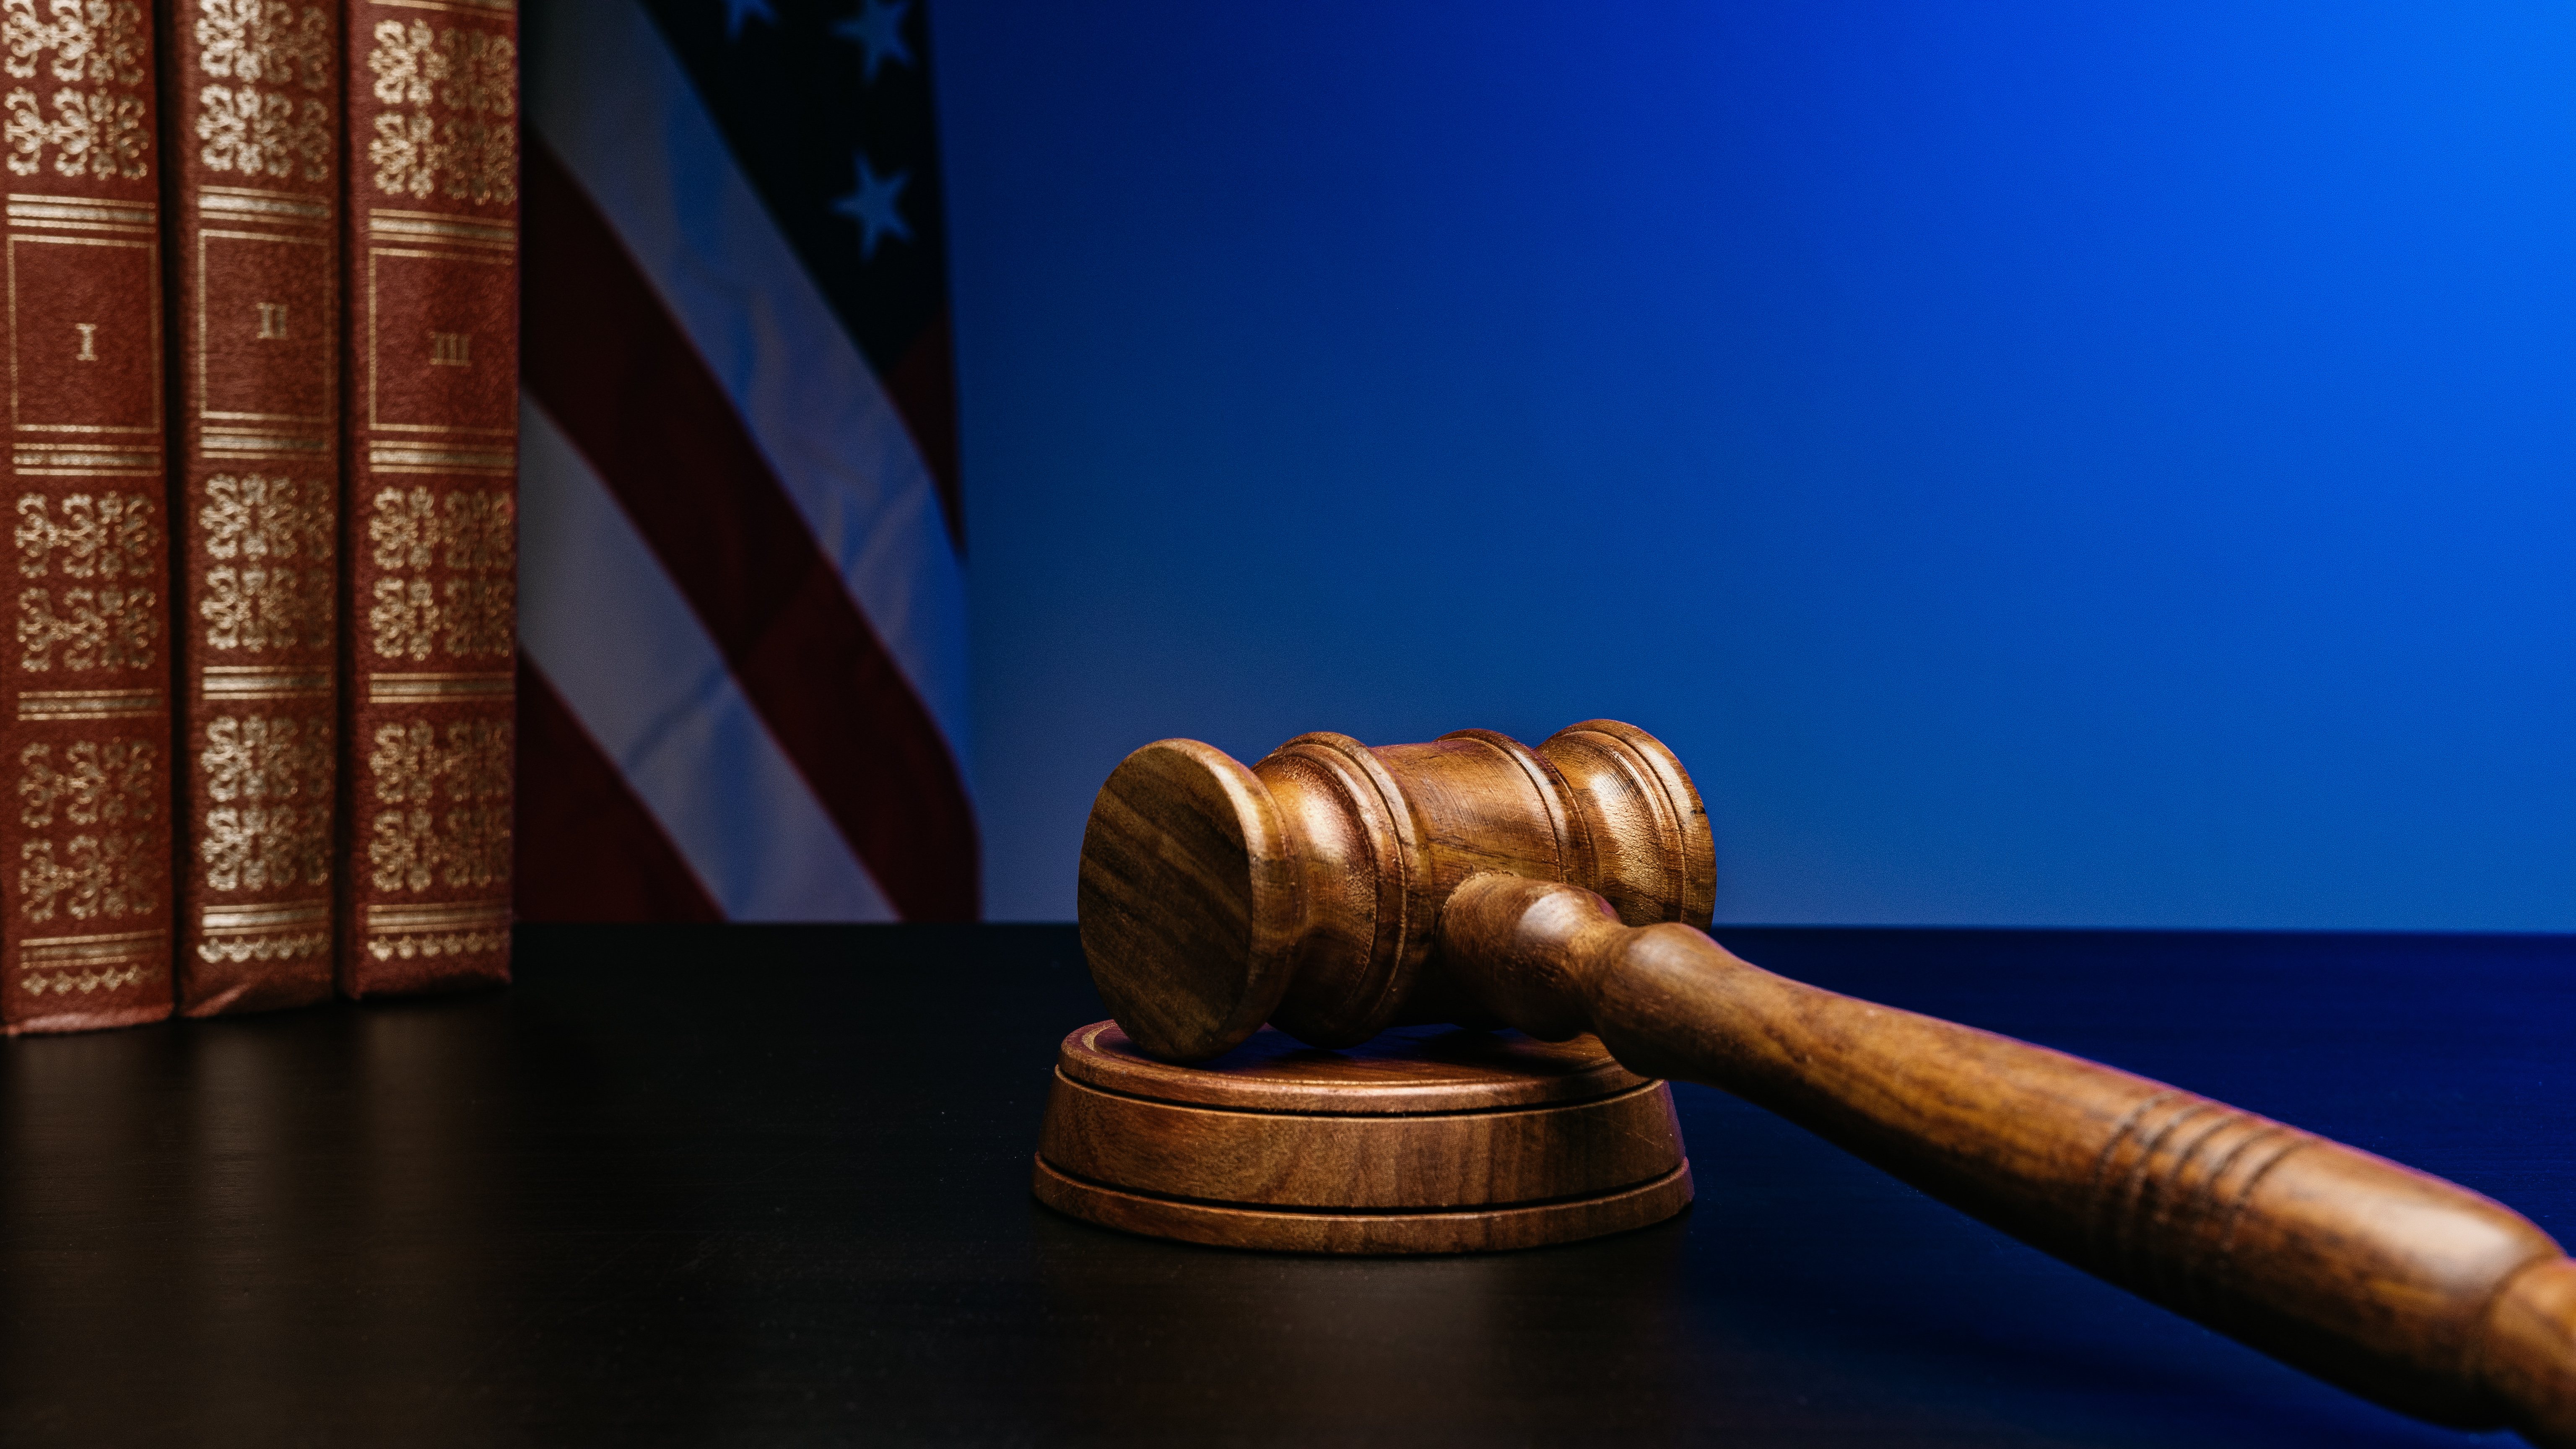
(89, 342)
(451, 349)
(272, 321)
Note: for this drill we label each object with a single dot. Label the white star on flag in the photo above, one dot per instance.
(872, 206)
(878, 28)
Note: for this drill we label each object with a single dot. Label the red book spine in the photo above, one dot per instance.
(432, 541)
(250, 104)
(85, 839)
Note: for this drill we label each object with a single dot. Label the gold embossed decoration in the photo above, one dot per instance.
(278, 595)
(480, 617)
(96, 961)
(96, 781)
(113, 535)
(92, 119)
(259, 126)
(461, 143)
(84, 982)
(470, 617)
(455, 928)
(95, 628)
(94, 875)
(270, 780)
(280, 931)
(257, 517)
(269, 608)
(110, 536)
(414, 769)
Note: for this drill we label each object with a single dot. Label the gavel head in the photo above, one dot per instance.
(1306, 891)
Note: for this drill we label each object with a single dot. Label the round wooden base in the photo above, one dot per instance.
(1426, 1140)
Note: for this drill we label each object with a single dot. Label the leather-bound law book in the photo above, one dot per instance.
(249, 100)
(432, 543)
(85, 683)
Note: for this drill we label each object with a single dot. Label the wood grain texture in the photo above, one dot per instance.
(1431, 1129)
(1409, 1069)
(1306, 890)
(1277, 1230)
(1343, 1161)
(1186, 865)
(2393, 1283)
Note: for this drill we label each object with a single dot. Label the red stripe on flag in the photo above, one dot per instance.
(588, 850)
(604, 357)
(922, 385)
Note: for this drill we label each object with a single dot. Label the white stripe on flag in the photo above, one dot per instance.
(605, 624)
(613, 103)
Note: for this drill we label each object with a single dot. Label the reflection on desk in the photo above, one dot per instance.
(769, 1185)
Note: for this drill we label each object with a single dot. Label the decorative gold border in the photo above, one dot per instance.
(80, 213)
(433, 226)
(151, 248)
(53, 704)
(267, 917)
(84, 460)
(93, 950)
(412, 458)
(414, 688)
(453, 916)
(261, 681)
(468, 7)
(250, 204)
(330, 320)
(374, 308)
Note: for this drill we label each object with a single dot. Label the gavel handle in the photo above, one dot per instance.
(2395, 1284)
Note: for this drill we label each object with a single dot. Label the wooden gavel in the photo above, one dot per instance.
(1334, 890)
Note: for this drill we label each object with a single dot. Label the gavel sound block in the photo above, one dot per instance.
(1336, 890)
(1426, 1140)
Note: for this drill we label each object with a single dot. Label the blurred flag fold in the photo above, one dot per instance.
(743, 648)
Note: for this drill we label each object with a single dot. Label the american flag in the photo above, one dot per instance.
(742, 671)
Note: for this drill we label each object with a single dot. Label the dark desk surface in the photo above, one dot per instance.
(769, 1186)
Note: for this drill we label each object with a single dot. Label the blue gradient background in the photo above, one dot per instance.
(2077, 465)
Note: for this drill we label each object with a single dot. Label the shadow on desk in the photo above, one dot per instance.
(769, 1186)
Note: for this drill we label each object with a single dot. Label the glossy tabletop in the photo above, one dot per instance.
(769, 1186)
